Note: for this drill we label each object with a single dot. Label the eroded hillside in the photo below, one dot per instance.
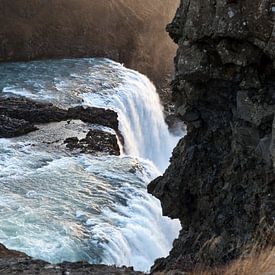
(129, 31)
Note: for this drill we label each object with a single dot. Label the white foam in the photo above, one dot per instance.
(59, 207)
(141, 118)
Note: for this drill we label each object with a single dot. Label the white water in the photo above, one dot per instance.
(140, 115)
(56, 206)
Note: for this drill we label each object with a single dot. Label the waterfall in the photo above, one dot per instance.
(141, 118)
(72, 207)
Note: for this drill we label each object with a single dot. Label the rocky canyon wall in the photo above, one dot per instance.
(221, 181)
(128, 31)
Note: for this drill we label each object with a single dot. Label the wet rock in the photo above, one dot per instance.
(6, 253)
(96, 141)
(221, 180)
(72, 142)
(175, 124)
(36, 112)
(94, 115)
(272, 144)
(33, 112)
(13, 262)
(12, 127)
(18, 116)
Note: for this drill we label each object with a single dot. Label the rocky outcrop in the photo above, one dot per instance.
(94, 142)
(13, 262)
(37, 112)
(221, 181)
(11, 127)
(19, 115)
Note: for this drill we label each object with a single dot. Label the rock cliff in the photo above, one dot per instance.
(221, 181)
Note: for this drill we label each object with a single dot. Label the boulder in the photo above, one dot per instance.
(96, 141)
(12, 127)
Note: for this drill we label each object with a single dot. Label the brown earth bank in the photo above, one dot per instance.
(128, 31)
(221, 181)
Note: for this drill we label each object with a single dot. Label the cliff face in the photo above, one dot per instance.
(221, 181)
(128, 31)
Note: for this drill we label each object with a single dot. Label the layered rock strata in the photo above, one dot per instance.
(221, 181)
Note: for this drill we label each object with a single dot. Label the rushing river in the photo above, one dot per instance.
(58, 206)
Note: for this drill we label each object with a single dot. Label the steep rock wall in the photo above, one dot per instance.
(128, 31)
(221, 181)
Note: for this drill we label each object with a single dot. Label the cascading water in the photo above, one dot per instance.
(141, 117)
(56, 206)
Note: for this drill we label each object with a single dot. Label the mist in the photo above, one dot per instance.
(129, 31)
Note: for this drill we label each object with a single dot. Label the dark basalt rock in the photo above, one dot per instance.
(12, 127)
(36, 112)
(25, 112)
(94, 115)
(13, 262)
(221, 181)
(95, 141)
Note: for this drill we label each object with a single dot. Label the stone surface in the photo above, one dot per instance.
(272, 147)
(11, 127)
(221, 181)
(20, 116)
(96, 141)
(19, 110)
(13, 262)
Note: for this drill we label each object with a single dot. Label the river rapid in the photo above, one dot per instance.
(59, 206)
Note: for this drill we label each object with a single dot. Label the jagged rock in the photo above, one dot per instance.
(94, 115)
(35, 112)
(221, 180)
(12, 127)
(13, 262)
(241, 54)
(192, 62)
(31, 111)
(253, 111)
(272, 144)
(95, 141)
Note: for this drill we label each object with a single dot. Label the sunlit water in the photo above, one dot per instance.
(62, 207)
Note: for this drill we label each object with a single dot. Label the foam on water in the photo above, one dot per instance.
(140, 115)
(99, 83)
(59, 207)
(103, 215)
